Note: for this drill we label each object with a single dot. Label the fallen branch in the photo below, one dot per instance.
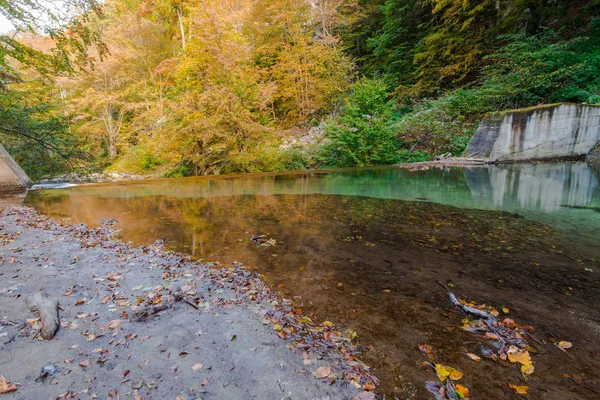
(490, 319)
(47, 309)
(149, 311)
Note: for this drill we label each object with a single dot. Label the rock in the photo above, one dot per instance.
(556, 131)
(593, 157)
(47, 309)
(12, 178)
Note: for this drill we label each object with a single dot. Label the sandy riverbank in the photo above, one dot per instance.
(222, 340)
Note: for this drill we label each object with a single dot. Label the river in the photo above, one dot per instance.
(369, 248)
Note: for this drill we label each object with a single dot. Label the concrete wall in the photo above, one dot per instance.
(537, 133)
(12, 177)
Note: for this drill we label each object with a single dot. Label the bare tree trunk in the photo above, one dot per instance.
(112, 129)
(180, 17)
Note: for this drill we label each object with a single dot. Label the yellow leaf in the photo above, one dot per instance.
(505, 310)
(277, 327)
(527, 369)
(519, 389)
(327, 323)
(443, 371)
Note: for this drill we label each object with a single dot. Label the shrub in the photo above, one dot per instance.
(363, 133)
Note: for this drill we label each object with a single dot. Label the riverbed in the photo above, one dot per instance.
(378, 249)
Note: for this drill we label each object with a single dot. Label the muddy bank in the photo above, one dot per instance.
(146, 323)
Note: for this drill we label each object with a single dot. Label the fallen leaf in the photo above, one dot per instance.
(369, 386)
(519, 389)
(563, 344)
(114, 324)
(426, 349)
(84, 363)
(443, 371)
(474, 357)
(462, 391)
(197, 367)
(204, 382)
(527, 369)
(79, 302)
(6, 386)
(323, 372)
(456, 375)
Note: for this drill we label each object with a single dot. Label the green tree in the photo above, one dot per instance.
(363, 133)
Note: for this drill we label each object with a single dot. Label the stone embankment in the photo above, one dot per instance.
(549, 132)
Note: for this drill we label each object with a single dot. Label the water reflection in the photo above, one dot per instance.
(541, 187)
(563, 195)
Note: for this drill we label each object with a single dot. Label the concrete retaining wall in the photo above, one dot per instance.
(538, 133)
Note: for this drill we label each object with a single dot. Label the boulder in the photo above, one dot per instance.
(12, 178)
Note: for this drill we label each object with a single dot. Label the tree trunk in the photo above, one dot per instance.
(180, 17)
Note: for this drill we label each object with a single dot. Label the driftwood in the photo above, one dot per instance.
(488, 318)
(149, 311)
(47, 309)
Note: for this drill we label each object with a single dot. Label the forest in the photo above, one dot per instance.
(176, 88)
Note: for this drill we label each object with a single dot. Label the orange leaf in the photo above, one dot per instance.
(6, 386)
(519, 389)
(463, 391)
(456, 375)
(474, 357)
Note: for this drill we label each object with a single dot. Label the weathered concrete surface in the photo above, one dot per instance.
(538, 133)
(12, 177)
(593, 157)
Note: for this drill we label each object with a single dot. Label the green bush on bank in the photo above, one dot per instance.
(363, 133)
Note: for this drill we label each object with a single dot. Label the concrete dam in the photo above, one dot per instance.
(555, 131)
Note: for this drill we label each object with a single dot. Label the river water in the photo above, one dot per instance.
(369, 248)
